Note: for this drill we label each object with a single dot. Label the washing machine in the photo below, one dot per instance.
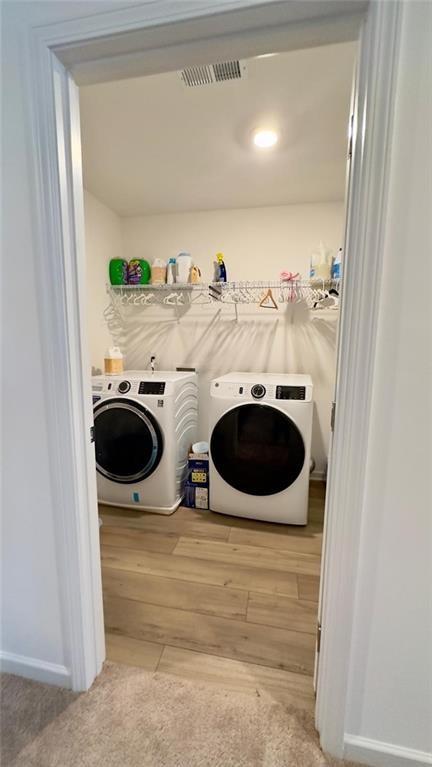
(260, 443)
(144, 425)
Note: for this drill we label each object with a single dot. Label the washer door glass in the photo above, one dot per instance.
(128, 440)
(257, 449)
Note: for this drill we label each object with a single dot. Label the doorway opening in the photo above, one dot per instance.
(225, 588)
(94, 49)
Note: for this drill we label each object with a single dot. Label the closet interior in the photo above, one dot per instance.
(214, 221)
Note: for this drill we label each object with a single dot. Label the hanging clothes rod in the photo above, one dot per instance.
(314, 294)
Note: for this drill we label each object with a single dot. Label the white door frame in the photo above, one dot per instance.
(144, 39)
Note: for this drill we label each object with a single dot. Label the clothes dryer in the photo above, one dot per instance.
(260, 445)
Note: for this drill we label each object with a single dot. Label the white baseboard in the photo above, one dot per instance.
(318, 476)
(379, 754)
(33, 668)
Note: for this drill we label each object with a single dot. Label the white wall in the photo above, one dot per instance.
(257, 243)
(31, 622)
(33, 642)
(391, 666)
(103, 241)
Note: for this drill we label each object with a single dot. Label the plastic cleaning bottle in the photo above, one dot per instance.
(220, 268)
(171, 271)
(336, 271)
(158, 272)
(321, 261)
(113, 361)
(138, 272)
(118, 271)
(184, 264)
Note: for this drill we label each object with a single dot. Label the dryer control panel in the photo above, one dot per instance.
(291, 392)
(260, 391)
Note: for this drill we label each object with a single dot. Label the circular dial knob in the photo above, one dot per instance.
(258, 391)
(123, 387)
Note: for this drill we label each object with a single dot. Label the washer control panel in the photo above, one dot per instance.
(124, 386)
(151, 387)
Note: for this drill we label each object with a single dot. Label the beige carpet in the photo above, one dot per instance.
(134, 718)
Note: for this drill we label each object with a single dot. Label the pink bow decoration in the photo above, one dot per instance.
(289, 276)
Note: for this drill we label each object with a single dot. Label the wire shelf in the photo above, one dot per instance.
(315, 293)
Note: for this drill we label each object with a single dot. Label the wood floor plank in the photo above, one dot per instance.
(306, 543)
(317, 489)
(198, 597)
(308, 587)
(286, 613)
(132, 652)
(316, 511)
(279, 648)
(144, 540)
(245, 523)
(184, 521)
(252, 556)
(282, 686)
(235, 575)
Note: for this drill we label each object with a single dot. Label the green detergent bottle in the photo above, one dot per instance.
(118, 271)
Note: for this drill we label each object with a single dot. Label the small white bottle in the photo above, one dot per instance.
(184, 265)
(171, 271)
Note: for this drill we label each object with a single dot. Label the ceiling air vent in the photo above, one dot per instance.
(213, 73)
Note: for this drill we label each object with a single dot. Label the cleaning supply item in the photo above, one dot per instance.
(138, 272)
(195, 275)
(158, 272)
(197, 484)
(321, 261)
(184, 265)
(118, 271)
(220, 268)
(113, 361)
(171, 271)
(336, 271)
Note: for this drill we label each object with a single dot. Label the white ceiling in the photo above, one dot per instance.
(152, 145)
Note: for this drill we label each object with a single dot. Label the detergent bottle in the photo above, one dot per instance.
(321, 261)
(220, 269)
(336, 271)
(113, 361)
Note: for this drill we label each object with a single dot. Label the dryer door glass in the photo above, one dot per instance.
(128, 440)
(257, 449)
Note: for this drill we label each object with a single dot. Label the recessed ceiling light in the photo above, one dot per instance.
(266, 55)
(264, 139)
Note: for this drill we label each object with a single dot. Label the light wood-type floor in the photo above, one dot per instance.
(215, 598)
